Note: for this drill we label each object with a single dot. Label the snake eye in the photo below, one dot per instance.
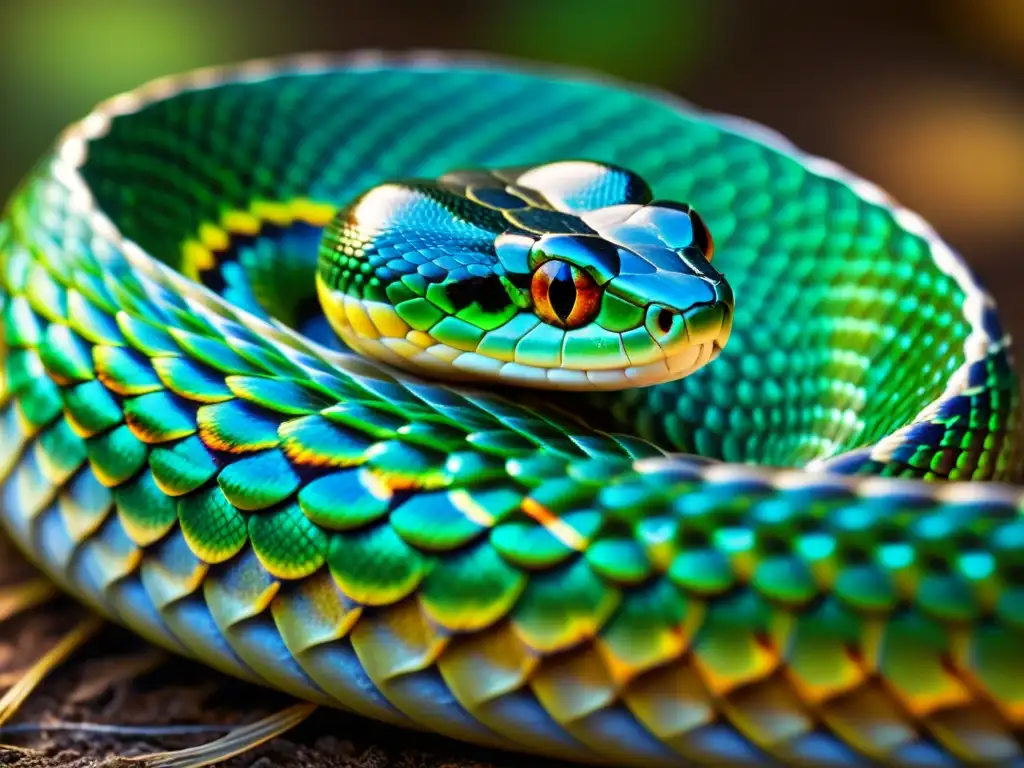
(564, 295)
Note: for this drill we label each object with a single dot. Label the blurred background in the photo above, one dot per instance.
(926, 98)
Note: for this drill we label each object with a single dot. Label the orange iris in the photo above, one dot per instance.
(564, 295)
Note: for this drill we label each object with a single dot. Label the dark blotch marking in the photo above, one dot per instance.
(701, 235)
(637, 190)
(488, 292)
(497, 198)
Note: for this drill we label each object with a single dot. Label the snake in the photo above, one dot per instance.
(520, 405)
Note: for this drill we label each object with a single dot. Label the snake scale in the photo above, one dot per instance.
(702, 485)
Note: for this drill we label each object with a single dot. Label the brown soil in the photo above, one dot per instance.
(118, 679)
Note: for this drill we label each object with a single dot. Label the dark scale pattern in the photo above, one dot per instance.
(452, 559)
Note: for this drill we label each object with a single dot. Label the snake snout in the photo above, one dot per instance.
(703, 323)
(688, 340)
(709, 324)
(692, 337)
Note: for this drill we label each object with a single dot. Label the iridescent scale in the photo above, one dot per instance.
(491, 568)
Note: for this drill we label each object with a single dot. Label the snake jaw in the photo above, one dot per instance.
(375, 330)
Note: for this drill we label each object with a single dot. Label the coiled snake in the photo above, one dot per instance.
(533, 512)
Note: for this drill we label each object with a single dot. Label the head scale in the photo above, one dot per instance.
(564, 275)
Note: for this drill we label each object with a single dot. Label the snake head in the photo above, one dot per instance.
(566, 275)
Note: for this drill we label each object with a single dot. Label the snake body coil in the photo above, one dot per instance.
(187, 449)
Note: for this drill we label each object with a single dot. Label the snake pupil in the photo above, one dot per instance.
(562, 292)
(564, 295)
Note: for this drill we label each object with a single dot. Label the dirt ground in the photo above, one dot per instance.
(118, 679)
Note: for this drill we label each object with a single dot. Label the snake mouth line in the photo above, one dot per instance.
(456, 365)
(376, 331)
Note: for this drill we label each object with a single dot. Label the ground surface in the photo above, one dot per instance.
(118, 679)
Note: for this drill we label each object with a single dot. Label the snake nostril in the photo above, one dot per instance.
(664, 321)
